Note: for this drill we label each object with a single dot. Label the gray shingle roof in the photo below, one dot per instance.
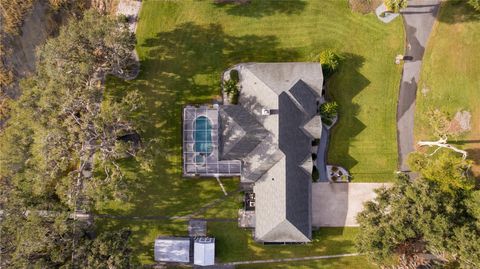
(296, 145)
(281, 144)
(305, 96)
(253, 132)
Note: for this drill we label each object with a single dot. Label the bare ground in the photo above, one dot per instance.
(364, 6)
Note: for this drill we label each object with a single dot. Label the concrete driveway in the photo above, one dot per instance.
(337, 204)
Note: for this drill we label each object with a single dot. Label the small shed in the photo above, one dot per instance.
(204, 251)
(172, 249)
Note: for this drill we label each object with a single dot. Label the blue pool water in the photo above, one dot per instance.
(203, 135)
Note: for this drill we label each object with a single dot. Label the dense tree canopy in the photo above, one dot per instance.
(437, 213)
(61, 146)
(60, 124)
(445, 167)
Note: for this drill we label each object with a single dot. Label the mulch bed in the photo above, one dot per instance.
(364, 6)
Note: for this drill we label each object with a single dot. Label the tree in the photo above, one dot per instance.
(395, 5)
(449, 170)
(64, 119)
(41, 239)
(413, 218)
(62, 130)
(441, 125)
(475, 4)
(110, 250)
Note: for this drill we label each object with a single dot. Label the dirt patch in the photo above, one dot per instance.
(460, 123)
(425, 89)
(364, 6)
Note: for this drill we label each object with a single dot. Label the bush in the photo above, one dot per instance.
(234, 75)
(315, 174)
(230, 86)
(475, 4)
(330, 62)
(314, 156)
(231, 89)
(395, 5)
(328, 111)
(233, 98)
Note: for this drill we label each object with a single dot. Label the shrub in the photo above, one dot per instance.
(328, 111)
(314, 156)
(231, 89)
(233, 98)
(315, 174)
(475, 4)
(234, 75)
(330, 62)
(395, 5)
(230, 86)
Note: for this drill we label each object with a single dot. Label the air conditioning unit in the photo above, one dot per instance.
(265, 111)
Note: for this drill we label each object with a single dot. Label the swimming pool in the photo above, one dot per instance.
(202, 136)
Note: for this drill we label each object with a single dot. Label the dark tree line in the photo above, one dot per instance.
(60, 150)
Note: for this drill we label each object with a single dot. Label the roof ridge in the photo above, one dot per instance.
(305, 160)
(285, 222)
(261, 80)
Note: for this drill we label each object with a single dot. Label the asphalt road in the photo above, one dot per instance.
(419, 18)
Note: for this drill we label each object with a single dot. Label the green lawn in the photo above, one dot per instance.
(450, 79)
(346, 262)
(185, 45)
(234, 244)
(365, 140)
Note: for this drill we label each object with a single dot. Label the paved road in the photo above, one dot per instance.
(419, 18)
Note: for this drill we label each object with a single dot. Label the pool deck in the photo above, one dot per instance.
(212, 165)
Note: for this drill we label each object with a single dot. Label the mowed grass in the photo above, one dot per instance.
(450, 79)
(184, 46)
(235, 244)
(357, 262)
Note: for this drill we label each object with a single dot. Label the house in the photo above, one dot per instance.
(172, 249)
(267, 140)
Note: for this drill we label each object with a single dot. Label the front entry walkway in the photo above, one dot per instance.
(419, 18)
(337, 204)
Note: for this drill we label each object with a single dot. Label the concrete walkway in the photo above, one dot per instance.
(293, 259)
(419, 18)
(321, 161)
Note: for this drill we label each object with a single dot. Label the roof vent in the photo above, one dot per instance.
(265, 111)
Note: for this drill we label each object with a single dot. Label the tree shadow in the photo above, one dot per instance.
(142, 240)
(348, 126)
(178, 67)
(262, 8)
(415, 50)
(457, 12)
